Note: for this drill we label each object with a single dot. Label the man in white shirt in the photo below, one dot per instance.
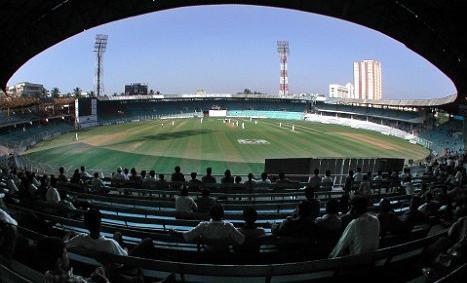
(84, 174)
(52, 196)
(361, 235)
(118, 178)
(5, 218)
(11, 185)
(150, 180)
(264, 183)
(94, 241)
(97, 185)
(126, 175)
(185, 206)
(358, 177)
(217, 233)
(8, 234)
(379, 176)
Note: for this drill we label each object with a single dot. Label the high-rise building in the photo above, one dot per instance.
(367, 79)
(341, 91)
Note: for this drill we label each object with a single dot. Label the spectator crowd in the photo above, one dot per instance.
(351, 224)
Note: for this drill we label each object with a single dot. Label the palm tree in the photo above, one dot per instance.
(77, 92)
(55, 92)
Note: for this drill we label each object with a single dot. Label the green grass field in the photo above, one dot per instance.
(195, 146)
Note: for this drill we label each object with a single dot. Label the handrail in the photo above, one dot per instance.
(18, 272)
(243, 190)
(454, 276)
(120, 207)
(226, 203)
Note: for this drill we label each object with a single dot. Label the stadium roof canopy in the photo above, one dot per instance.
(434, 29)
(399, 102)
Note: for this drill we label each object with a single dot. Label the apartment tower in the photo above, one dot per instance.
(367, 79)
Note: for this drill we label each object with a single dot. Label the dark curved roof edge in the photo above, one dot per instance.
(428, 102)
(432, 29)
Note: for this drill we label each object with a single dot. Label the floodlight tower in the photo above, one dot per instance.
(283, 50)
(99, 47)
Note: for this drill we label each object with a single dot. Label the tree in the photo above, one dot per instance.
(77, 92)
(55, 92)
(246, 91)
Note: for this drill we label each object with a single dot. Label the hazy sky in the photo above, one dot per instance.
(229, 48)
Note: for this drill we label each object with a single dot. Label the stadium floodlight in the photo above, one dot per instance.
(283, 50)
(100, 46)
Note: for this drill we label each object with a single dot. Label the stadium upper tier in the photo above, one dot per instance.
(390, 114)
(114, 109)
(110, 110)
(27, 135)
(13, 118)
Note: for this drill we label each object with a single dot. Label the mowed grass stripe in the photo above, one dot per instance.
(97, 159)
(294, 141)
